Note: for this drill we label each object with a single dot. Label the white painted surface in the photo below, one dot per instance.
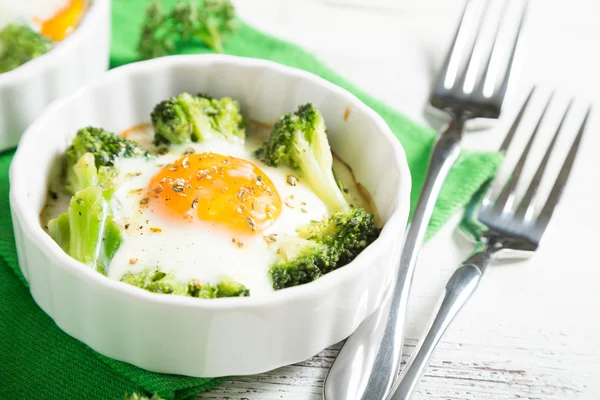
(532, 331)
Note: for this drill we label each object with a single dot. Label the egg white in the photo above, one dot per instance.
(204, 251)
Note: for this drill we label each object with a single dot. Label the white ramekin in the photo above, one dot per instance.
(80, 58)
(181, 335)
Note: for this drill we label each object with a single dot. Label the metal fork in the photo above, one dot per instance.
(369, 362)
(497, 226)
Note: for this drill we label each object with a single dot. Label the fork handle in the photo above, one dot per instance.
(369, 362)
(457, 293)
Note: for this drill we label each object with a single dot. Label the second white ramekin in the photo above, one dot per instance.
(80, 58)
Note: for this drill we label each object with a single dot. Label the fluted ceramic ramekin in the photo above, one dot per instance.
(78, 59)
(189, 336)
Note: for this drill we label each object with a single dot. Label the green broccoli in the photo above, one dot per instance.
(20, 44)
(112, 238)
(172, 122)
(208, 21)
(87, 214)
(345, 233)
(86, 231)
(228, 287)
(301, 261)
(91, 156)
(299, 140)
(84, 174)
(108, 181)
(106, 147)
(81, 175)
(60, 230)
(157, 281)
(200, 290)
(185, 118)
(226, 116)
(323, 247)
(217, 18)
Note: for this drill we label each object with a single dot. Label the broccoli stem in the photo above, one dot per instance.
(108, 181)
(87, 215)
(213, 38)
(86, 231)
(111, 241)
(317, 162)
(59, 229)
(83, 174)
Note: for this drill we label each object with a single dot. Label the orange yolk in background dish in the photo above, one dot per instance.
(225, 190)
(61, 24)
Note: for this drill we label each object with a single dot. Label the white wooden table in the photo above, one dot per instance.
(532, 331)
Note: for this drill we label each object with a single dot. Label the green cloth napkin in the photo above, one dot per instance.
(39, 361)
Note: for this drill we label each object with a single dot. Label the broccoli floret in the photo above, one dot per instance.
(86, 232)
(301, 261)
(345, 233)
(100, 148)
(201, 290)
(231, 288)
(173, 122)
(323, 247)
(20, 44)
(227, 287)
(226, 116)
(299, 140)
(217, 18)
(187, 118)
(157, 281)
(207, 21)
(106, 147)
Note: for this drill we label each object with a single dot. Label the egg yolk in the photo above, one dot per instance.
(225, 190)
(63, 22)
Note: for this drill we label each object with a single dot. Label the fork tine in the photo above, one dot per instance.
(525, 208)
(515, 124)
(443, 74)
(504, 201)
(462, 74)
(507, 141)
(563, 176)
(501, 92)
(479, 87)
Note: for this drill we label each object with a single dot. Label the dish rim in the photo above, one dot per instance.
(29, 219)
(34, 66)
